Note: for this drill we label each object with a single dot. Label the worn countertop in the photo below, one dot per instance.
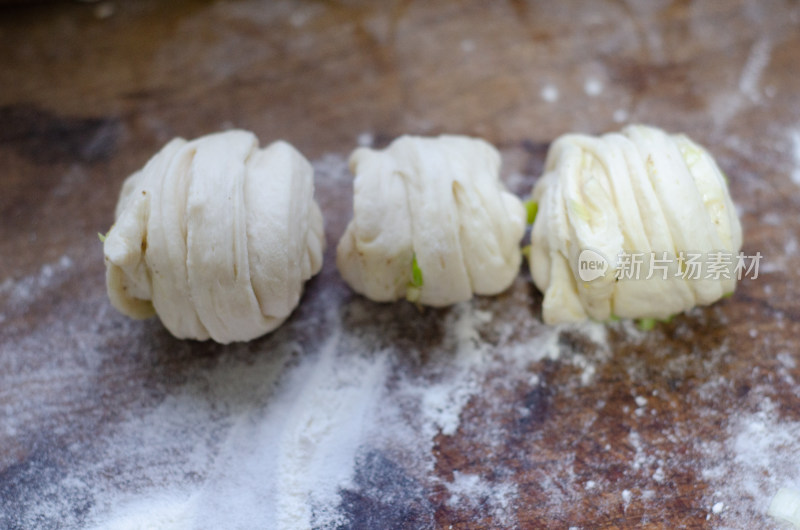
(362, 415)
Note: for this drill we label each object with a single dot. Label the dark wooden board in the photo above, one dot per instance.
(86, 99)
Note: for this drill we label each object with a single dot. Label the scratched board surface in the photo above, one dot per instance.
(362, 415)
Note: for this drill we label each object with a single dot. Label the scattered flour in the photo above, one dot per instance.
(627, 496)
(286, 437)
(334, 167)
(164, 511)
(773, 218)
(365, 139)
(620, 116)
(289, 463)
(473, 490)
(19, 293)
(549, 93)
(441, 403)
(299, 18)
(757, 457)
(757, 61)
(593, 87)
(794, 137)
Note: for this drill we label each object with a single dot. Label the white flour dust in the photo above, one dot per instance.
(19, 293)
(474, 490)
(549, 93)
(754, 67)
(593, 87)
(794, 138)
(757, 457)
(336, 416)
(335, 411)
(290, 462)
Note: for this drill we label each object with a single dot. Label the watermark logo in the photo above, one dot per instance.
(591, 265)
(715, 265)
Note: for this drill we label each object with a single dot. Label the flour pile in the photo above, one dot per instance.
(331, 420)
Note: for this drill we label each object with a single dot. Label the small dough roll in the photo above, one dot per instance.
(640, 191)
(432, 222)
(216, 236)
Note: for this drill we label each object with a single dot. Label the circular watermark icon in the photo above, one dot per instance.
(591, 265)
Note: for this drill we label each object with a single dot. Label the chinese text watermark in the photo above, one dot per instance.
(715, 265)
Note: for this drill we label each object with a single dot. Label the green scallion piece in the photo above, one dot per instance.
(646, 324)
(532, 208)
(416, 273)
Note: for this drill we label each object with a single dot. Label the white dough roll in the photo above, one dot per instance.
(216, 236)
(639, 192)
(436, 203)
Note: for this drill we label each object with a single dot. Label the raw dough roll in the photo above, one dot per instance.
(216, 236)
(640, 191)
(432, 222)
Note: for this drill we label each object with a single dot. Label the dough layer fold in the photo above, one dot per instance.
(435, 206)
(636, 192)
(216, 236)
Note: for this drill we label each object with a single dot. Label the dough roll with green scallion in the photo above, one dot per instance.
(640, 201)
(432, 222)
